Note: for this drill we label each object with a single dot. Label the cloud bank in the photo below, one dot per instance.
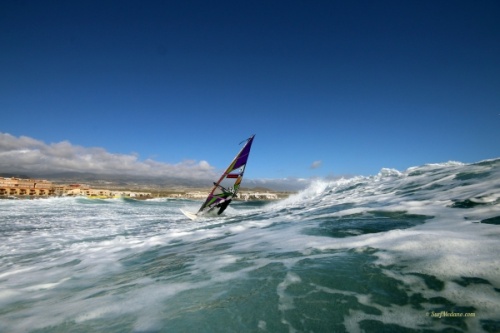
(27, 155)
(63, 160)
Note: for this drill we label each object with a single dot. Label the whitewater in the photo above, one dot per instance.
(402, 251)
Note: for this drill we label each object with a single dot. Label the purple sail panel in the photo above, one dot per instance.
(243, 156)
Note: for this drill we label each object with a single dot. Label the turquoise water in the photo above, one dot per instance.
(412, 251)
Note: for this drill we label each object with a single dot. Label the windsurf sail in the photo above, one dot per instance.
(226, 188)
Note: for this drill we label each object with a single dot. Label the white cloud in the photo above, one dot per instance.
(25, 154)
(316, 164)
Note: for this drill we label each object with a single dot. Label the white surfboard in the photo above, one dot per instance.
(189, 215)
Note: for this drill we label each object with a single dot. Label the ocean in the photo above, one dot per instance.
(401, 251)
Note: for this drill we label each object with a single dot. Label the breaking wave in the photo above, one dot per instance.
(399, 251)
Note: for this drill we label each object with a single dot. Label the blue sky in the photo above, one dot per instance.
(329, 87)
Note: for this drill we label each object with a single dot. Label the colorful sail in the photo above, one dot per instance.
(226, 188)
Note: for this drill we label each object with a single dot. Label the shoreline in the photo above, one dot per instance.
(186, 194)
(28, 188)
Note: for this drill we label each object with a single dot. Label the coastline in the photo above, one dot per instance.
(146, 194)
(251, 197)
(30, 188)
(245, 194)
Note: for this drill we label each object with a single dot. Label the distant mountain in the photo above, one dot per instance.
(15, 175)
(279, 184)
(256, 189)
(121, 180)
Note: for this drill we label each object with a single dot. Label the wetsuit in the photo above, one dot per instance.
(223, 205)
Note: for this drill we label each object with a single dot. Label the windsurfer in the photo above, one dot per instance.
(220, 197)
(223, 205)
(223, 189)
(226, 194)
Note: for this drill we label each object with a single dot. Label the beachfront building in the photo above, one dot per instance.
(25, 187)
(85, 190)
(257, 196)
(74, 190)
(19, 187)
(196, 195)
